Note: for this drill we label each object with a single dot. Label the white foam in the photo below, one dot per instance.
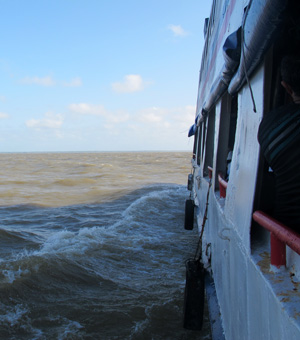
(69, 329)
(12, 315)
(10, 275)
(156, 196)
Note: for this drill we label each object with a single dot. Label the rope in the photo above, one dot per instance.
(243, 59)
(198, 252)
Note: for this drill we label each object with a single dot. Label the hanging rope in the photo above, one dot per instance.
(243, 60)
(198, 252)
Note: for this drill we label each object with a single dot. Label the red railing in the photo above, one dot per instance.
(222, 185)
(210, 172)
(222, 182)
(281, 236)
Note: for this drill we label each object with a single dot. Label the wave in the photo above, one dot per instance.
(75, 181)
(113, 267)
(91, 247)
(143, 224)
(8, 236)
(12, 242)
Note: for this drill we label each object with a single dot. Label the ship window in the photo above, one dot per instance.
(274, 96)
(203, 136)
(210, 135)
(199, 145)
(199, 142)
(196, 143)
(227, 128)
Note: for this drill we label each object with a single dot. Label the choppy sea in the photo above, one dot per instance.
(92, 246)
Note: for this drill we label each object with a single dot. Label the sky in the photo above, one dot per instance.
(99, 75)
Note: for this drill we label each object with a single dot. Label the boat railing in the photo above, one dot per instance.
(281, 235)
(210, 172)
(222, 185)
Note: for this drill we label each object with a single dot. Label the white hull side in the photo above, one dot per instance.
(251, 297)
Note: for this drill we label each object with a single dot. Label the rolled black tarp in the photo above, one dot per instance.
(262, 23)
(231, 53)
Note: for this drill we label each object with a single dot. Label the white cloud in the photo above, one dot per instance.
(152, 115)
(152, 118)
(177, 30)
(177, 118)
(50, 121)
(88, 109)
(75, 82)
(118, 117)
(49, 81)
(99, 110)
(184, 118)
(180, 117)
(147, 129)
(186, 114)
(131, 83)
(3, 115)
(42, 81)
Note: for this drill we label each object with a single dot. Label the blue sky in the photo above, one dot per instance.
(95, 75)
